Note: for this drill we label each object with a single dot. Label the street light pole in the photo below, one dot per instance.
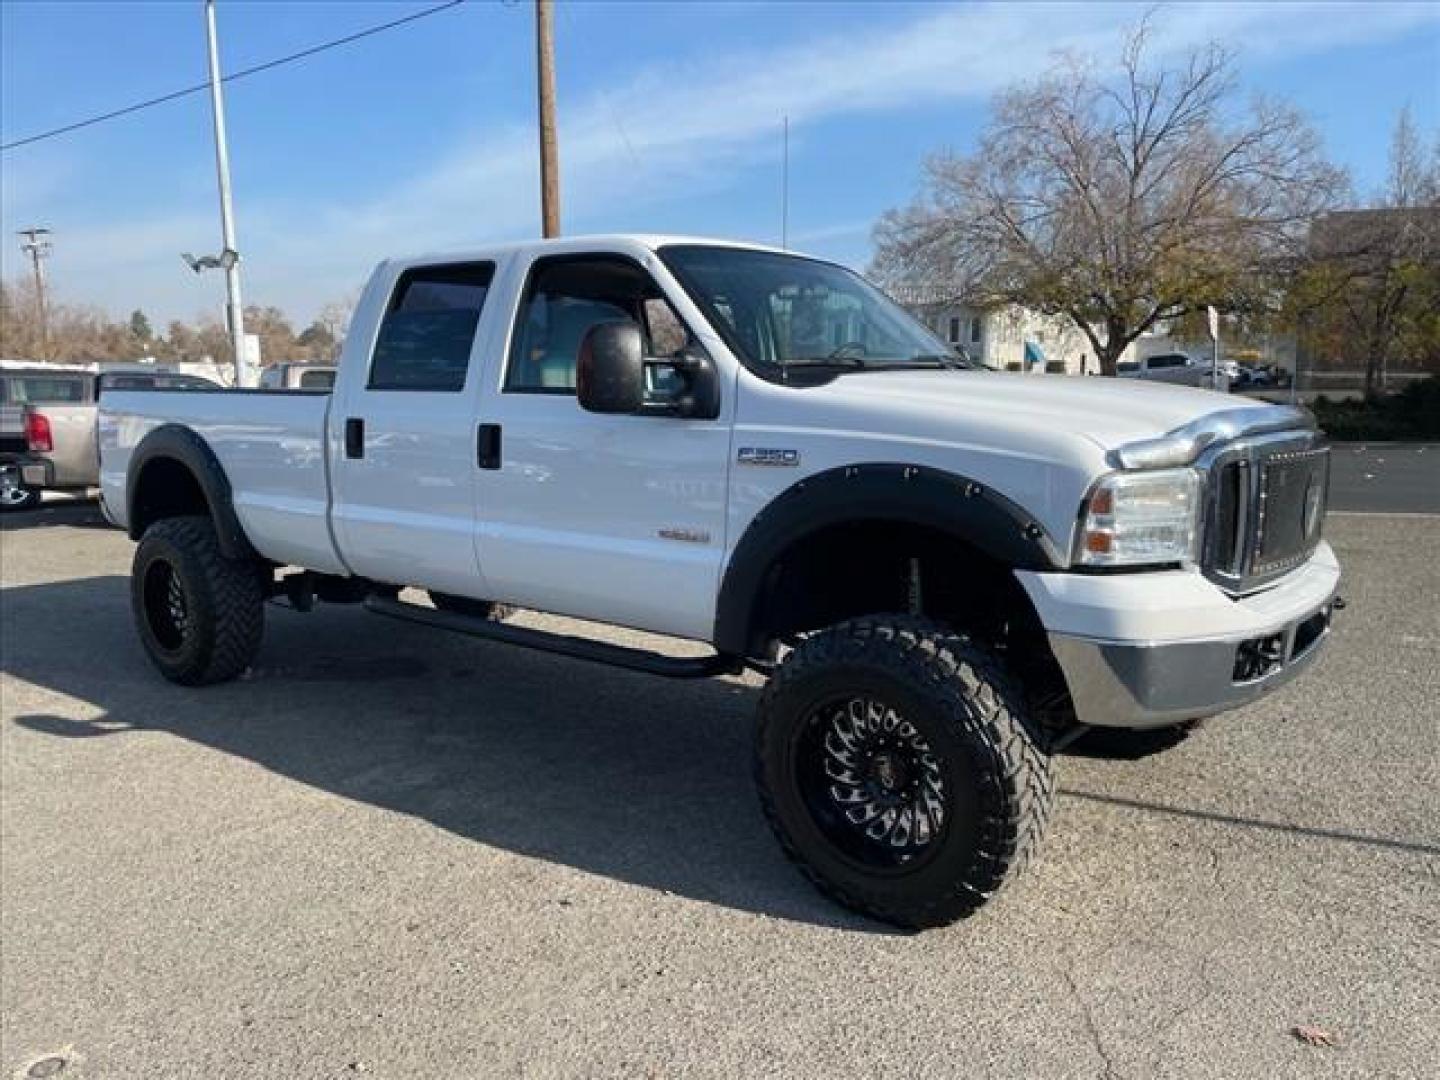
(549, 153)
(234, 312)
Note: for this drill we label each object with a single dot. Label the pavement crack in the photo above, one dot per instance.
(1091, 1028)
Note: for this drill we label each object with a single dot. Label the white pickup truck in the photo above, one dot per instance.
(944, 572)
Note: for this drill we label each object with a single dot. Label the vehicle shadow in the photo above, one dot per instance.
(640, 779)
(77, 512)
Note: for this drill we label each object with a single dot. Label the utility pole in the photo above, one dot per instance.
(785, 187)
(549, 154)
(36, 244)
(230, 255)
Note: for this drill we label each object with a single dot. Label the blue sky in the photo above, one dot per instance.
(670, 120)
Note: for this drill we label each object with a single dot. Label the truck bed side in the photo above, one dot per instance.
(271, 445)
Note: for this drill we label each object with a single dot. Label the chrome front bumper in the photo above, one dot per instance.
(1130, 685)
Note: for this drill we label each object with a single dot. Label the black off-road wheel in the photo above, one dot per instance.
(899, 771)
(464, 605)
(200, 615)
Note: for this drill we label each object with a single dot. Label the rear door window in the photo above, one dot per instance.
(428, 330)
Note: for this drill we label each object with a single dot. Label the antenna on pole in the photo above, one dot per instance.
(785, 185)
(549, 152)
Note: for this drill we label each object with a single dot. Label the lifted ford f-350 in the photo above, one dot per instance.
(945, 572)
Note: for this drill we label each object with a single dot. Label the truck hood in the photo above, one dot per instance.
(1109, 412)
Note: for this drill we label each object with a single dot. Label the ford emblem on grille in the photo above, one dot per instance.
(1314, 497)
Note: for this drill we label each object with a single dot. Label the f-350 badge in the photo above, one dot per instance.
(768, 455)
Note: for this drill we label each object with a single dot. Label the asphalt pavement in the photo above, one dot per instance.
(1382, 477)
(396, 852)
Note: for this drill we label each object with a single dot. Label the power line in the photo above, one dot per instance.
(199, 87)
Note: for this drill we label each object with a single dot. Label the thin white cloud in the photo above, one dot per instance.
(684, 131)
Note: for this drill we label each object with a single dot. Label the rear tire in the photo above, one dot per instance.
(899, 771)
(464, 605)
(200, 615)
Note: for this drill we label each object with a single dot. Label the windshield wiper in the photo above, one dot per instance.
(947, 360)
(826, 361)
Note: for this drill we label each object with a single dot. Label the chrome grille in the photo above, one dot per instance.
(1265, 507)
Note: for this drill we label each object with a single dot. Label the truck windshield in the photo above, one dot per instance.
(784, 313)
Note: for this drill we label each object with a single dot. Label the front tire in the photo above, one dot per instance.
(200, 615)
(899, 771)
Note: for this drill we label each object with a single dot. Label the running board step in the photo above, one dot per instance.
(672, 667)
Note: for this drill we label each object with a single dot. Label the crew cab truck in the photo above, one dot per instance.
(944, 572)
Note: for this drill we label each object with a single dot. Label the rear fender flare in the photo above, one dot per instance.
(180, 444)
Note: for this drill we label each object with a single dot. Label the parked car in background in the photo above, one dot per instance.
(290, 376)
(42, 409)
(1176, 368)
(48, 427)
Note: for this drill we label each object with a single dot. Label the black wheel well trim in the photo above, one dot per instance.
(180, 444)
(917, 495)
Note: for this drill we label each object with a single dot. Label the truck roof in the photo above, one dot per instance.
(560, 245)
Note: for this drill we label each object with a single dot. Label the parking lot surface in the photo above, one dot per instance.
(400, 853)
(1386, 477)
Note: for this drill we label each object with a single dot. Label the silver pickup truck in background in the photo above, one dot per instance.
(47, 426)
(1176, 368)
(47, 433)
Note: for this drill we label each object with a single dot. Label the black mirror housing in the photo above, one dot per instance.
(610, 368)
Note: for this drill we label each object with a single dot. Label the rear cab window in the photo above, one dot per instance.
(429, 328)
(47, 389)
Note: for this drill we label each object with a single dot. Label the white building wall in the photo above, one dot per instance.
(996, 336)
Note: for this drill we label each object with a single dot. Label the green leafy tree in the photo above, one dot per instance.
(140, 326)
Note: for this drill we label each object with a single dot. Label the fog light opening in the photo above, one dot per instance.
(1258, 657)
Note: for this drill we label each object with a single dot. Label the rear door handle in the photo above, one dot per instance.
(487, 446)
(354, 437)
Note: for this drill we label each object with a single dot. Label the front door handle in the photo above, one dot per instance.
(487, 446)
(354, 437)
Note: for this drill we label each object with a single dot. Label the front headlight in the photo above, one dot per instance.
(1136, 518)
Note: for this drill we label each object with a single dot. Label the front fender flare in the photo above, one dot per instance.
(903, 494)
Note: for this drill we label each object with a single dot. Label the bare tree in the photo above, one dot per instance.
(1116, 201)
(1412, 181)
(1367, 292)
